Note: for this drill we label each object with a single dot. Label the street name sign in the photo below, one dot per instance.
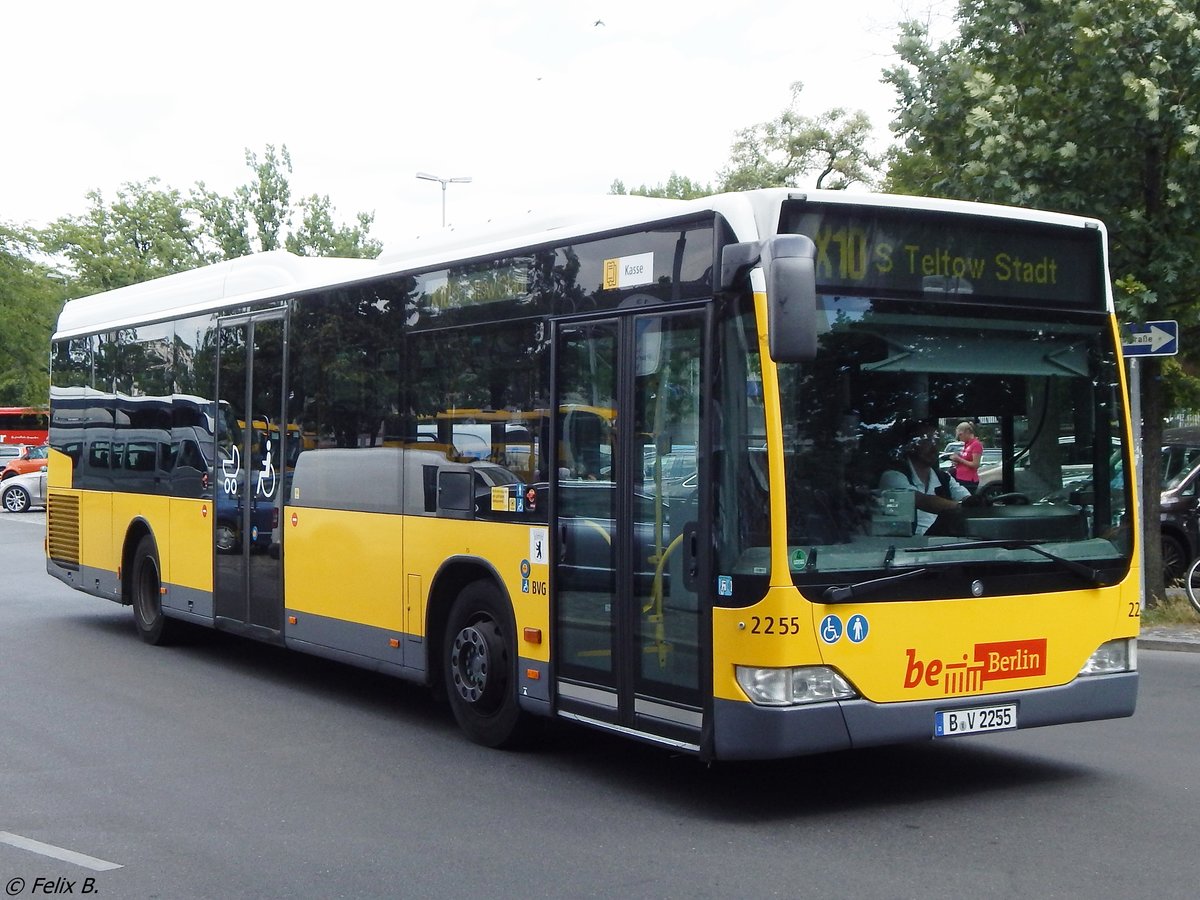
(1151, 339)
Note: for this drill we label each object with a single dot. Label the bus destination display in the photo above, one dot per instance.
(861, 249)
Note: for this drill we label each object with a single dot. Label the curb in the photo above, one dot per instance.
(1157, 644)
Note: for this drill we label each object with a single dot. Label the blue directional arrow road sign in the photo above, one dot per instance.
(1151, 339)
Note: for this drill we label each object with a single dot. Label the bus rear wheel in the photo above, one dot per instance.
(146, 595)
(479, 667)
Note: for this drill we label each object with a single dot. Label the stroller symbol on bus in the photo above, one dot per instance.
(229, 471)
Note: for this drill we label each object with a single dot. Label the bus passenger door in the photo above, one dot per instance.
(630, 502)
(249, 474)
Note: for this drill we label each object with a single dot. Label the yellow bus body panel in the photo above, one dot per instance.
(61, 470)
(96, 531)
(155, 511)
(356, 567)
(502, 547)
(191, 544)
(345, 565)
(927, 650)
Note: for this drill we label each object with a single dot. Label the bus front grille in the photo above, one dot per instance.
(62, 528)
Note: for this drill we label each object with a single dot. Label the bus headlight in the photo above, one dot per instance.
(793, 686)
(1113, 656)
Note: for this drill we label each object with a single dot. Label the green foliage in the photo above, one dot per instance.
(677, 187)
(1085, 106)
(32, 298)
(144, 233)
(147, 231)
(267, 198)
(223, 221)
(1180, 385)
(318, 235)
(832, 149)
(260, 214)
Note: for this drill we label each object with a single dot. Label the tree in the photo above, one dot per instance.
(833, 148)
(788, 150)
(32, 298)
(223, 222)
(258, 216)
(677, 187)
(319, 236)
(267, 198)
(145, 233)
(1083, 106)
(149, 230)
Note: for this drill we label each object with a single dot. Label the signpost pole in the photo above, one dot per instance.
(1135, 416)
(1144, 339)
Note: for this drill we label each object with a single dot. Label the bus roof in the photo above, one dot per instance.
(279, 274)
(223, 284)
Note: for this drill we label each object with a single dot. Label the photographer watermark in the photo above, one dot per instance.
(57, 885)
(14, 887)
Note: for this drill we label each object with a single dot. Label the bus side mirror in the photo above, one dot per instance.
(736, 262)
(789, 263)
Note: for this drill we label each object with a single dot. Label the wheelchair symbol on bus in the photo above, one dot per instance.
(265, 486)
(831, 629)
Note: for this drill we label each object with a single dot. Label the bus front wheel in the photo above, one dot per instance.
(146, 594)
(479, 667)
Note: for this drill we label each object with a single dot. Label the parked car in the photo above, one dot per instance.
(21, 493)
(1179, 502)
(1178, 512)
(30, 459)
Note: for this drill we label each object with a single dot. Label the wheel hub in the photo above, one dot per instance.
(470, 664)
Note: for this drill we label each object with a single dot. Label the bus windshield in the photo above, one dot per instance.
(1040, 388)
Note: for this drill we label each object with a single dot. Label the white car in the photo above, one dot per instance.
(23, 492)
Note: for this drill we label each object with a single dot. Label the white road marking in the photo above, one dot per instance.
(80, 859)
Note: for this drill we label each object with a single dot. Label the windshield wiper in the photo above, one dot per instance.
(1090, 574)
(842, 593)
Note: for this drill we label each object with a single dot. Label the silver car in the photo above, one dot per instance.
(23, 492)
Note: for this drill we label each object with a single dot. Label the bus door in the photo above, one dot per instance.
(249, 474)
(630, 506)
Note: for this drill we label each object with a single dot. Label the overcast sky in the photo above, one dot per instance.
(529, 99)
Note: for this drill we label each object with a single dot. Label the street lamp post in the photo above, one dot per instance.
(462, 179)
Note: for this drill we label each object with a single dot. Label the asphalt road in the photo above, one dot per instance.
(223, 768)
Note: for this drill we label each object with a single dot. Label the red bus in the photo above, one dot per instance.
(24, 425)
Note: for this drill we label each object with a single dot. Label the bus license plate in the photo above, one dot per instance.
(951, 722)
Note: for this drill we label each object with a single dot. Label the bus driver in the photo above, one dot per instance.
(915, 468)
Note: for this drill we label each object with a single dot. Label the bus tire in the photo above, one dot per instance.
(480, 667)
(145, 590)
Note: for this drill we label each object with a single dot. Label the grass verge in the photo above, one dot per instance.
(1175, 611)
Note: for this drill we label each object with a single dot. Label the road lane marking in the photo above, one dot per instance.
(60, 853)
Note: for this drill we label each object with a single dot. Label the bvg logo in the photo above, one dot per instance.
(992, 662)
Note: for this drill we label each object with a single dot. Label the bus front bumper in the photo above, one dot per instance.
(746, 731)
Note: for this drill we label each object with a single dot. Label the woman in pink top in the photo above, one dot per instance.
(966, 461)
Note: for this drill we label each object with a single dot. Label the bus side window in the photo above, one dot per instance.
(98, 455)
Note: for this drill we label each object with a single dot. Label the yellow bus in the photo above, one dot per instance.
(663, 468)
